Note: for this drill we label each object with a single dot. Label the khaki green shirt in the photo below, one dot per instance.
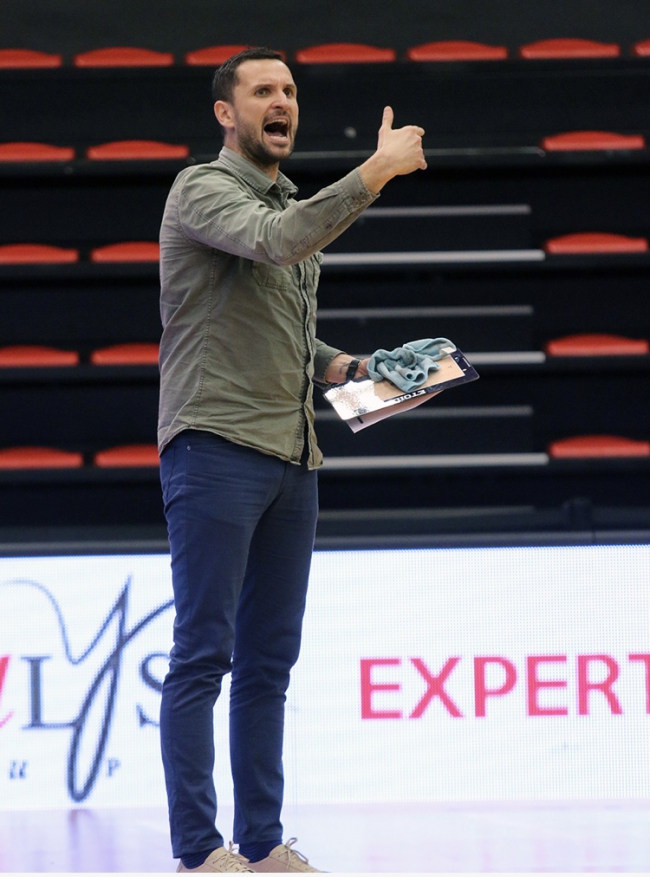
(239, 268)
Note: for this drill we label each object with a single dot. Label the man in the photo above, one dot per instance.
(239, 269)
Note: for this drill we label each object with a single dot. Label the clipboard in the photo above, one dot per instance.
(362, 402)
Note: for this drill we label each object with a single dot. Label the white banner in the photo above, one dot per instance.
(464, 674)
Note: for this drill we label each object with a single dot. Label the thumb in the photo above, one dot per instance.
(386, 125)
(387, 118)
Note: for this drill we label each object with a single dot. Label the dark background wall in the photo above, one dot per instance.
(485, 122)
(71, 26)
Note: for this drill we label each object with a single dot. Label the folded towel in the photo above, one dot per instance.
(409, 366)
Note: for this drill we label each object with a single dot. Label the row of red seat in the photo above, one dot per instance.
(146, 455)
(28, 457)
(130, 150)
(597, 243)
(329, 53)
(32, 254)
(117, 150)
(146, 353)
(592, 446)
(43, 356)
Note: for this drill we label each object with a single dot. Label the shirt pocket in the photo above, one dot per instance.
(271, 276)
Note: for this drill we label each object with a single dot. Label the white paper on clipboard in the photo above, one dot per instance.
(362, 402)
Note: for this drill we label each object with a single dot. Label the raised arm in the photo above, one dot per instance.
(213, 210)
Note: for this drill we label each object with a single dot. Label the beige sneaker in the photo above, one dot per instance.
(220, 860)
(283, 858)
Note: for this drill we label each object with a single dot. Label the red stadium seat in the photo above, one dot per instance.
(34, 355)
(123, 56)
(127, 251)
(39, 458)
(20, 151)
(456, 50)
(128, 456)
(15, 58)
(595, 242)
(574, 141)
(126, 354)
(642, 49)
(569, 48)
(128, 150)
(598, 446)
(345, 53)
(597, 345)
(213, 56)
(29, 254)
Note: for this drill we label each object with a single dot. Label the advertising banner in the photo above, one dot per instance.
(425, 675)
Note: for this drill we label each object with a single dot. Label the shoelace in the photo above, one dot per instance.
(240, 862)
(291, 852)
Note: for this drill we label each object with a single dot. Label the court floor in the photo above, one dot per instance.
(515, 837)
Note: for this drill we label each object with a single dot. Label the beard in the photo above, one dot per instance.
(254, 148)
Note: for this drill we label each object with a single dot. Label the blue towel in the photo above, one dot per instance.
(408, 367)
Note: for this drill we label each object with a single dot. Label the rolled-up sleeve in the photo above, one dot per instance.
(323, 355)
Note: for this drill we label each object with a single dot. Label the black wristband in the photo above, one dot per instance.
(352, 369)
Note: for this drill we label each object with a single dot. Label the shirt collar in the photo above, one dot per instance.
(253, 175)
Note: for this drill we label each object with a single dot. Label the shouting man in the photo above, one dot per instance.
(240, 263)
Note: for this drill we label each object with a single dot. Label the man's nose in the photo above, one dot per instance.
(280, 99)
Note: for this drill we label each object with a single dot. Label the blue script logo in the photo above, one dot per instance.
(102, 690)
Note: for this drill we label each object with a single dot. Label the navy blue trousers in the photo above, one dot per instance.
(241, 531)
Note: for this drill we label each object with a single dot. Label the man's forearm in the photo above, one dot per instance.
(376, 172)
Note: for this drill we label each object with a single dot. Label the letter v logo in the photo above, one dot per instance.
(4, 663)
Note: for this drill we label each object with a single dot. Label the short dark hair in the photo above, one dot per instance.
(225, 77)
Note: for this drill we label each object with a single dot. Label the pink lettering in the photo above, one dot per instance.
(534, 685)
(4, 664)
(646, 660)
(481, 691)
(435, 688)
(368, 687)
(605, 687)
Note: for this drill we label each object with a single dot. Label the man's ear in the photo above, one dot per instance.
(224, 114)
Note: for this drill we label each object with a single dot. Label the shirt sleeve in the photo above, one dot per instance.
(323, 355)
(214, 210)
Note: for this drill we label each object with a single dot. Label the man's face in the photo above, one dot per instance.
(261, 121)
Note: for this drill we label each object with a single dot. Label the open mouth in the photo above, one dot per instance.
(277, 130)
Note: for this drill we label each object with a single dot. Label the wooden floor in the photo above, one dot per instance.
(595, 837)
